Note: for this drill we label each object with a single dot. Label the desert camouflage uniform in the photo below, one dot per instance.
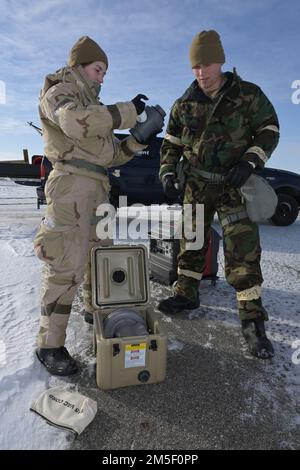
(213, 134)
(79, 142)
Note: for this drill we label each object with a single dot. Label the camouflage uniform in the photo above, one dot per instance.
(77, 131)
(213, 134)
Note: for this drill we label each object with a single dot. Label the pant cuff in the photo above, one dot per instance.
(252, 310)
(186, 287)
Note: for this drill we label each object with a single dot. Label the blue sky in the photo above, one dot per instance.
(147, 44)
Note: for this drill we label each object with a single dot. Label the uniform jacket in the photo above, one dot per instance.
(240, 123)
(76, 125)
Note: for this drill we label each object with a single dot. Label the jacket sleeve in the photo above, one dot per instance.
(171, 149)
(125, 150)
(265, 130)
(61, 106)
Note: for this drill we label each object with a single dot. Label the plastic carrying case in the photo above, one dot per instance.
(120, 280)
(163, 258)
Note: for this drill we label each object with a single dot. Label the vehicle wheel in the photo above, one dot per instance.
(114, 197)
(40, 192)
(286, 210)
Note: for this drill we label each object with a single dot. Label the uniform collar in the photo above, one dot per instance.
(74, 75)
(195, 93)
(84, 82)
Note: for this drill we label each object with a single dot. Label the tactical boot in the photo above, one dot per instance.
(177, 304)
(88, 317)
(258, 343)
(57, 361)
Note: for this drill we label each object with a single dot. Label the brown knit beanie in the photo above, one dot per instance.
(207, 48)
(84, 51)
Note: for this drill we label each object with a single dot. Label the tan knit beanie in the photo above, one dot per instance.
(207, 48)
(86, 50)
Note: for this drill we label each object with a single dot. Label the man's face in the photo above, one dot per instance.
(207, 75)
(96, 71)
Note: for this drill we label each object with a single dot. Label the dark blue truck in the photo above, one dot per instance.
(138, 180)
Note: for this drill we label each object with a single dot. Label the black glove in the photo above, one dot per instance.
(148, 140)
(139, 104)
(238, 174)
(169, 187)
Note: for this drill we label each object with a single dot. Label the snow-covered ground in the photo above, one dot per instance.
(22, 378)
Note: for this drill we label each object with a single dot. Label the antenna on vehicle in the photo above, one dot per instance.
(38, 129)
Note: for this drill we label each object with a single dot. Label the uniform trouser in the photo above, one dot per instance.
(242, 249)
(64, 240)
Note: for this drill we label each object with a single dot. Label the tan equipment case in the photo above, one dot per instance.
(120, 280)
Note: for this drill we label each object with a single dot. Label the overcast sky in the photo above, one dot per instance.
(147, 44)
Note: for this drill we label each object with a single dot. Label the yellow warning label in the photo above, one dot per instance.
(132, 347)
(135, 355)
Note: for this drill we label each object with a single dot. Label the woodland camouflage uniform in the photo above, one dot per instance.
(213, 133)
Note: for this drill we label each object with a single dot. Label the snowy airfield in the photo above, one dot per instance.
(215, 395)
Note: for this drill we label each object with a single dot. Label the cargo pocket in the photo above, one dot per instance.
(50, 244)
(58, 184)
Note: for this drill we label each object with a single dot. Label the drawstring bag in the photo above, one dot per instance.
(65, 409)
(261, 199)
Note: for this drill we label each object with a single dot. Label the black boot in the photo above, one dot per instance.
(57, 361)
(177, 304)
(258, 343)
(88, 317)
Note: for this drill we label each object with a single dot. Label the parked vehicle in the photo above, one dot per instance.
(138, 180)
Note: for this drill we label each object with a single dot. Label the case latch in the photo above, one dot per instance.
(153, 345)
(116, 349)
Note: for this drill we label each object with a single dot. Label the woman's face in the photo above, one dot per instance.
(96, 71)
